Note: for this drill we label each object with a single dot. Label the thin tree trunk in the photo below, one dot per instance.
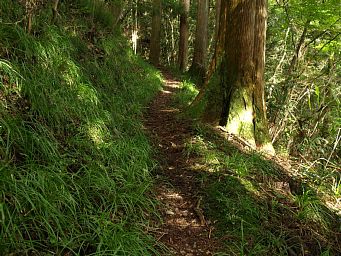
(298, 51)
(218, 51)
(29, 6)
(183, 42)
(55, 10)
(217, 13)
(154, 56)
(261, 127)
(198, 67)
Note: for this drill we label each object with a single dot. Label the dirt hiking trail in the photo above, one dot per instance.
(185, 229)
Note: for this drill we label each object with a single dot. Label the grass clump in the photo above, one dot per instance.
(74, 162)
(187, 93)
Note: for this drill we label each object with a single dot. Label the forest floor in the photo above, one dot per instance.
(216, 197)
(185, 229)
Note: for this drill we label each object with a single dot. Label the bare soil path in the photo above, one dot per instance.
(185, 229)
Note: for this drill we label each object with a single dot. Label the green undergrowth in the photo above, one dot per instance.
(74, 162)
(257, 207)
(186, 95)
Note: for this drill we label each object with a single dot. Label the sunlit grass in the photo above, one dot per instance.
(75, 164)
(187, 93)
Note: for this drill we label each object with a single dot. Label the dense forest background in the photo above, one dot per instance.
(302, 73)
(76, 167)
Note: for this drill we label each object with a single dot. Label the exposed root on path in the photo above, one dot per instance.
(184, 230)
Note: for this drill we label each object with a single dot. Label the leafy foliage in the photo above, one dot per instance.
(303, 83)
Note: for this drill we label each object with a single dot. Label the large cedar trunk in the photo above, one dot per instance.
(183, 42)
(241, 90)
(198, 67)
(154, 56)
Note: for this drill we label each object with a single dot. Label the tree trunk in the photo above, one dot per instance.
(198, 67)
(218, 50)
(217, 13)
(154, 55)
(241, 90)
(183, 42)
(55, 10)
(261, 128)
(299, 48)
(29, 9)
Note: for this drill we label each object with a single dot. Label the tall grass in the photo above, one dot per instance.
(74, 162)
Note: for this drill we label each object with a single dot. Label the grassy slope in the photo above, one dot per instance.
(258, 207)
(74, 162)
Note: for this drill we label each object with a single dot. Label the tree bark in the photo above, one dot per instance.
(217, 13)
(154, 55)
(55, 10)
(198, 67)
(218, 50)
(29, 9)
(261, 127)
(241, 89)
(183, 42)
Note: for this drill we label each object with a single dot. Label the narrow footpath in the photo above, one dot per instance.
(185, 229)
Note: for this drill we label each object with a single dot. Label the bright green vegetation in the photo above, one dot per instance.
(186, 94)
(303, 85)
(74, 163)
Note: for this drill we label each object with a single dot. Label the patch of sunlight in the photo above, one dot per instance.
(249, 186)
(54, 53)
(71, 73)
(211, 158)
(242, 124)
(87, 93)
(196, 145)
(268, 149)
(241, 169)
(173, 195)
(159, 76)
(72, 77)
(98, 132)
(237, 123)
(189, 87)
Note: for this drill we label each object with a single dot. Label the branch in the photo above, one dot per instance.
(321, 34)
(331, 40)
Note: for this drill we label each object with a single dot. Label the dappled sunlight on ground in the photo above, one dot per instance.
(184, 229)
(218, 194)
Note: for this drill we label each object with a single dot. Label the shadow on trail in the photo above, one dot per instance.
(215, 198)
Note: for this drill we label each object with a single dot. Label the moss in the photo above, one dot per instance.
(240, 119)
